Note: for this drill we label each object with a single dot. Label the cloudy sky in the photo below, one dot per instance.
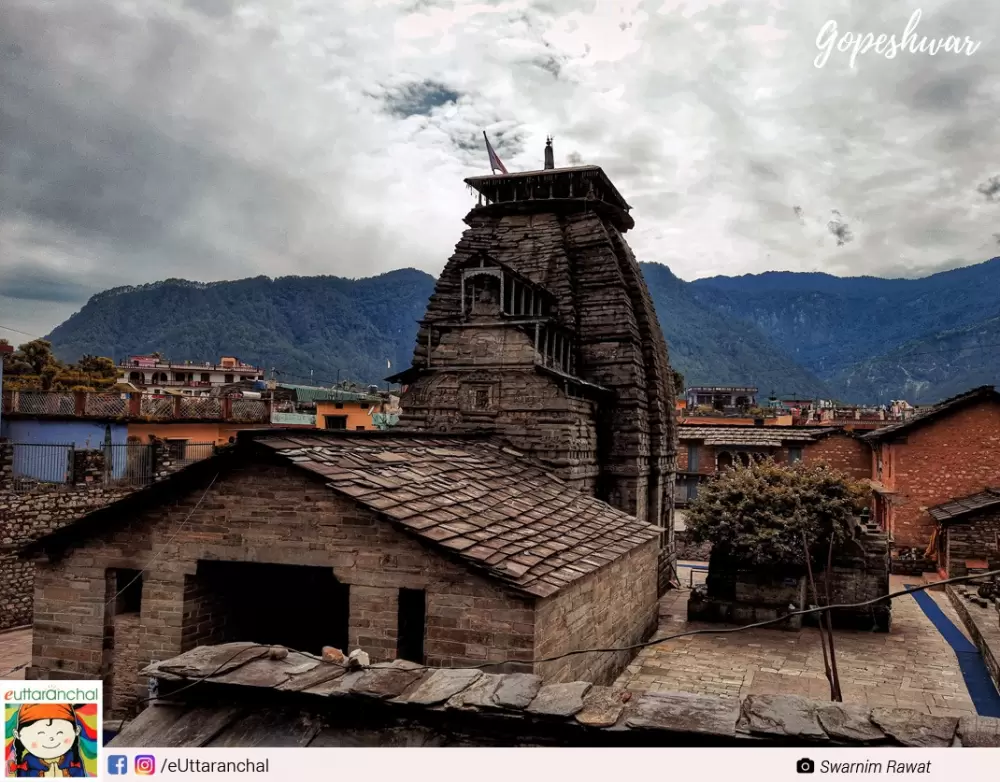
(218, 139)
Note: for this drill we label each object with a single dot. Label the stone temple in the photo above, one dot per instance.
(541, 330)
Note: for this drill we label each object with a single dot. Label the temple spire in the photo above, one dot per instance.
(549, 160)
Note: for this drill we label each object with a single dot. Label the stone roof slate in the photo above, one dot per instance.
(481, 501)
(764, 436)
(305, 701)
(953, 509)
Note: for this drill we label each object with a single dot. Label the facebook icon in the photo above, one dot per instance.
(117, 764)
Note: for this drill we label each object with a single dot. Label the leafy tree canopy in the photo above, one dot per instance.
(759, 514)
(34, 367)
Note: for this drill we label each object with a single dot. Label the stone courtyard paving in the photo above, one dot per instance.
(911, 667)
(15, 653)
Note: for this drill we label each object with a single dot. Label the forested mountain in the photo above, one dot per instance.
(299, 325)
(325, 324)
(861, 339)
(874, 339)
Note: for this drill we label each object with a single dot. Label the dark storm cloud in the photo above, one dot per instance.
(213, 139)
(420, 98)
(78, 156)
(44, 285)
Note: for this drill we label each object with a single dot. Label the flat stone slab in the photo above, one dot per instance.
(442, 685)
(517, 690)
(559, 700)
(781, 715)
(388, 681)
(479, 694)
(850, 723)
(339, 687)
(313, 681)
(203, 660)
(685, 712)
(264, 672)
(602, 707)
(979, 731)
(914, 729)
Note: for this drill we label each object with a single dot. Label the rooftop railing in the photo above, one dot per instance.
(136, 407)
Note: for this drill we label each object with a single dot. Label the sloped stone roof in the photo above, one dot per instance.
(763, 436)
(294, 699)
(953, 509)
(483, 502)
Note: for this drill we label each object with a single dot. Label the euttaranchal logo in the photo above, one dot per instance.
(51, 729)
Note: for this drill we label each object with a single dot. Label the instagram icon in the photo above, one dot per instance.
(145, 765)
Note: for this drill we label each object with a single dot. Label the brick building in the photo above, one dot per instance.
(704, 450)
(449, 550)
(542, 330)
(948, 451)
(967, 538)
(43, 487)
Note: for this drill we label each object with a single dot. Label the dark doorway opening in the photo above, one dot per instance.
(128, 591)
(410, 625)
(302, 607)
(122, 627)
(335, 421)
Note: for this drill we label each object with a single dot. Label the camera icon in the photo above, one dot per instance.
(805, 766)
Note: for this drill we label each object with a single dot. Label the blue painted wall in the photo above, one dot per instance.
(82, 435)
(37, 453)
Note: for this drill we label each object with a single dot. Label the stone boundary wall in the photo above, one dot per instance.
(32, 512)
(743, 595)
(518, 710)
(983, 625)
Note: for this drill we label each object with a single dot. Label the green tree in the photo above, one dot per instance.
(679, 388)
(775, 516)
(763, 514)
(38, 355)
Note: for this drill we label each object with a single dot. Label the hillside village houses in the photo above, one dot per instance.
(157, 374)
(521, 508)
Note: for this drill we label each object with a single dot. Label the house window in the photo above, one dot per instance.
(359, 429)
(179, 376)
(229, 379)
(481, 399)
(128, 591)
(794, 455)
(205, 377)
(339, 406)
(410, 638)
(692, 458)
(335, 421)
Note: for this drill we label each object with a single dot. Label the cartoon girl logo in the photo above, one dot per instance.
(50, 740)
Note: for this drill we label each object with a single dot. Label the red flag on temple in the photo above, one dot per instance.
(495, 163)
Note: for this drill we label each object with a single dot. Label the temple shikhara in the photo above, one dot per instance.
(542, 330)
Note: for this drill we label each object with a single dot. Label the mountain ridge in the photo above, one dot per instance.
(863, 339)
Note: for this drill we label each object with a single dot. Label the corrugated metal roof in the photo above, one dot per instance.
(319, 394)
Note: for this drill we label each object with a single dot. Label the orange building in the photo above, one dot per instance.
(351, 414)
(217, 432)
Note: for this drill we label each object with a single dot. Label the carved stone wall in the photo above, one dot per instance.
(619, 444)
